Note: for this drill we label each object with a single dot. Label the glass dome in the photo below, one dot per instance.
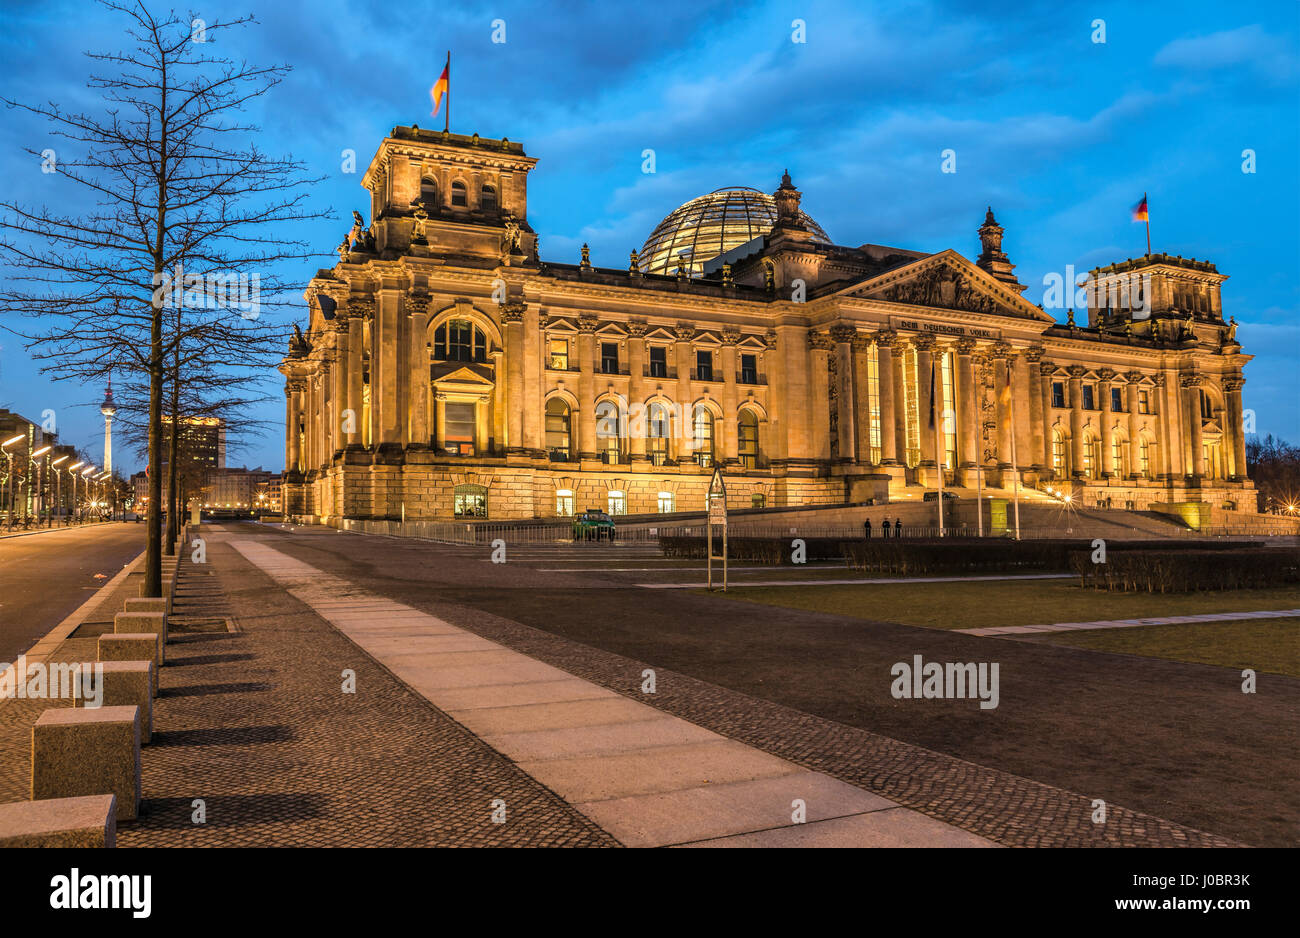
(711, 225)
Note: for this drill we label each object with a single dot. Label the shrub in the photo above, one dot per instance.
(1154, 571)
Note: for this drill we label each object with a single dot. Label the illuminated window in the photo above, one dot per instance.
(610, 431)
(617, 503)
(747, 438)
(1091, 456)
(1144, 402)
(1144, 458)
(703, 442)
(559, 355)
(665, 502)
(458, 427)
(1117, 456)
(557, 429)
(470, 501)
(1058, 453)
(758, 500)
(564, 502)
(659, 429)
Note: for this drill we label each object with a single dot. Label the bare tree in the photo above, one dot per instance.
(179, 206)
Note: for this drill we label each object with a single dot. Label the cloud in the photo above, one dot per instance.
(1248, 46)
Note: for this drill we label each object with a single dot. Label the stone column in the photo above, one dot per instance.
(862, 397)
(356, 345)
(820, 347)
(1045, 371)
(1134, 431)
(342, 363)
(1191, 385)
(531, 398)
(1105, 376)
(586, 415)
(383, 368)
(417, 370)
(730, 448)
(925, 433)
(902, 350)
(636, 364)
(885, 370)
(685, 333)
(1168, 421)
(291, 452)
(842, 336)
(968, 433)
(1002, 391)
(1076, 419)
(1038, 432)
(1232, 385)
(512, 317)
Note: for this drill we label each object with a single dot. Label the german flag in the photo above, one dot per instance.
(1140, 210)
(441, 87)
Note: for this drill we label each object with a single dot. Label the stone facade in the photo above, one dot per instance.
(449, 371)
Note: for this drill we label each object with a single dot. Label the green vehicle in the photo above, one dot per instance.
(593, 525)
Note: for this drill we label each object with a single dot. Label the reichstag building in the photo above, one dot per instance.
(451, 370)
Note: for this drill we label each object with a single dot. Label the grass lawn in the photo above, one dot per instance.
(1271, 645)
(1006, 602)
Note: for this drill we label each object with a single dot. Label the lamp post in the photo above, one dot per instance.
(5, 448)
(58, 488)
(72, 471)
(85, 474)
(40, 483)
(103, 491)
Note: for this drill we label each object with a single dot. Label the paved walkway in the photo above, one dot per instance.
(646, 777)
(1130, 623)
(859, 582)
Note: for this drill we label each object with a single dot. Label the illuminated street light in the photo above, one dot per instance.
(4, 447)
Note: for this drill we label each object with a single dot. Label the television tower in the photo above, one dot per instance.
(108, 409)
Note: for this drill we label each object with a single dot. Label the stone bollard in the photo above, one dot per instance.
(84, 821)
(154, 604)
(129, 684)
(137, 646)
(125, 623)
(82, 751)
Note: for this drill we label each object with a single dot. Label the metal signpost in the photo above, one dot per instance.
(718, 516)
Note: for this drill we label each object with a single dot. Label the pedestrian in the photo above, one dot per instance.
(866, 529)
(885, 527)
(898, 527)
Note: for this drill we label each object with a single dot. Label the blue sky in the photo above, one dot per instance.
(1060, 134)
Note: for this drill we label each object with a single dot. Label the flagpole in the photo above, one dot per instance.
(447, 123)
(1148, 221)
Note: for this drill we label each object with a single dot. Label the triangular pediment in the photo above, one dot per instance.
(947, 281)
(458, 373)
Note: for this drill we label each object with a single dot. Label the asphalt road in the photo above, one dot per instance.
(1179, 741)
(45, 576)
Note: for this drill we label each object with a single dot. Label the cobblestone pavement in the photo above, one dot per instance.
(1001, 806)
(255, 724)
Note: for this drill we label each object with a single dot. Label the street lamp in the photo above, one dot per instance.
(4, 447)
(58, 487)
(72, 471)
(40, 490)
(85, 474)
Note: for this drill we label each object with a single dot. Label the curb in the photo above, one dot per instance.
(47, 645)
(71, 527)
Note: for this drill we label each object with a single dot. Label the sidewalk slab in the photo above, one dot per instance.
(896, 827)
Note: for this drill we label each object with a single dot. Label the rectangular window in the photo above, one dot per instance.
(1144, 402)
(617, 503)
(1116, 400)
(1058, 394)
(1088, 402)
(458, 428)
(609, 358)
(665, 502)
(749, 369)
(658, 361)
(559, 355)
(758, 500)
(564, 503)
(704, 365)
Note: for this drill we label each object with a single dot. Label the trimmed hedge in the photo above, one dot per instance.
(1152, 571)
(765, 550)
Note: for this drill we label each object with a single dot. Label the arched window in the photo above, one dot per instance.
(1117, 456)
(557, 429)
(459, 340)
(1144, 458)
(703, 429)
(458, 194)
(429, 192)
(660, 426)
(1091, 456)
(1058, 453)
(488, 199)
(747, 439)
(470, 501)
(610, 431)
